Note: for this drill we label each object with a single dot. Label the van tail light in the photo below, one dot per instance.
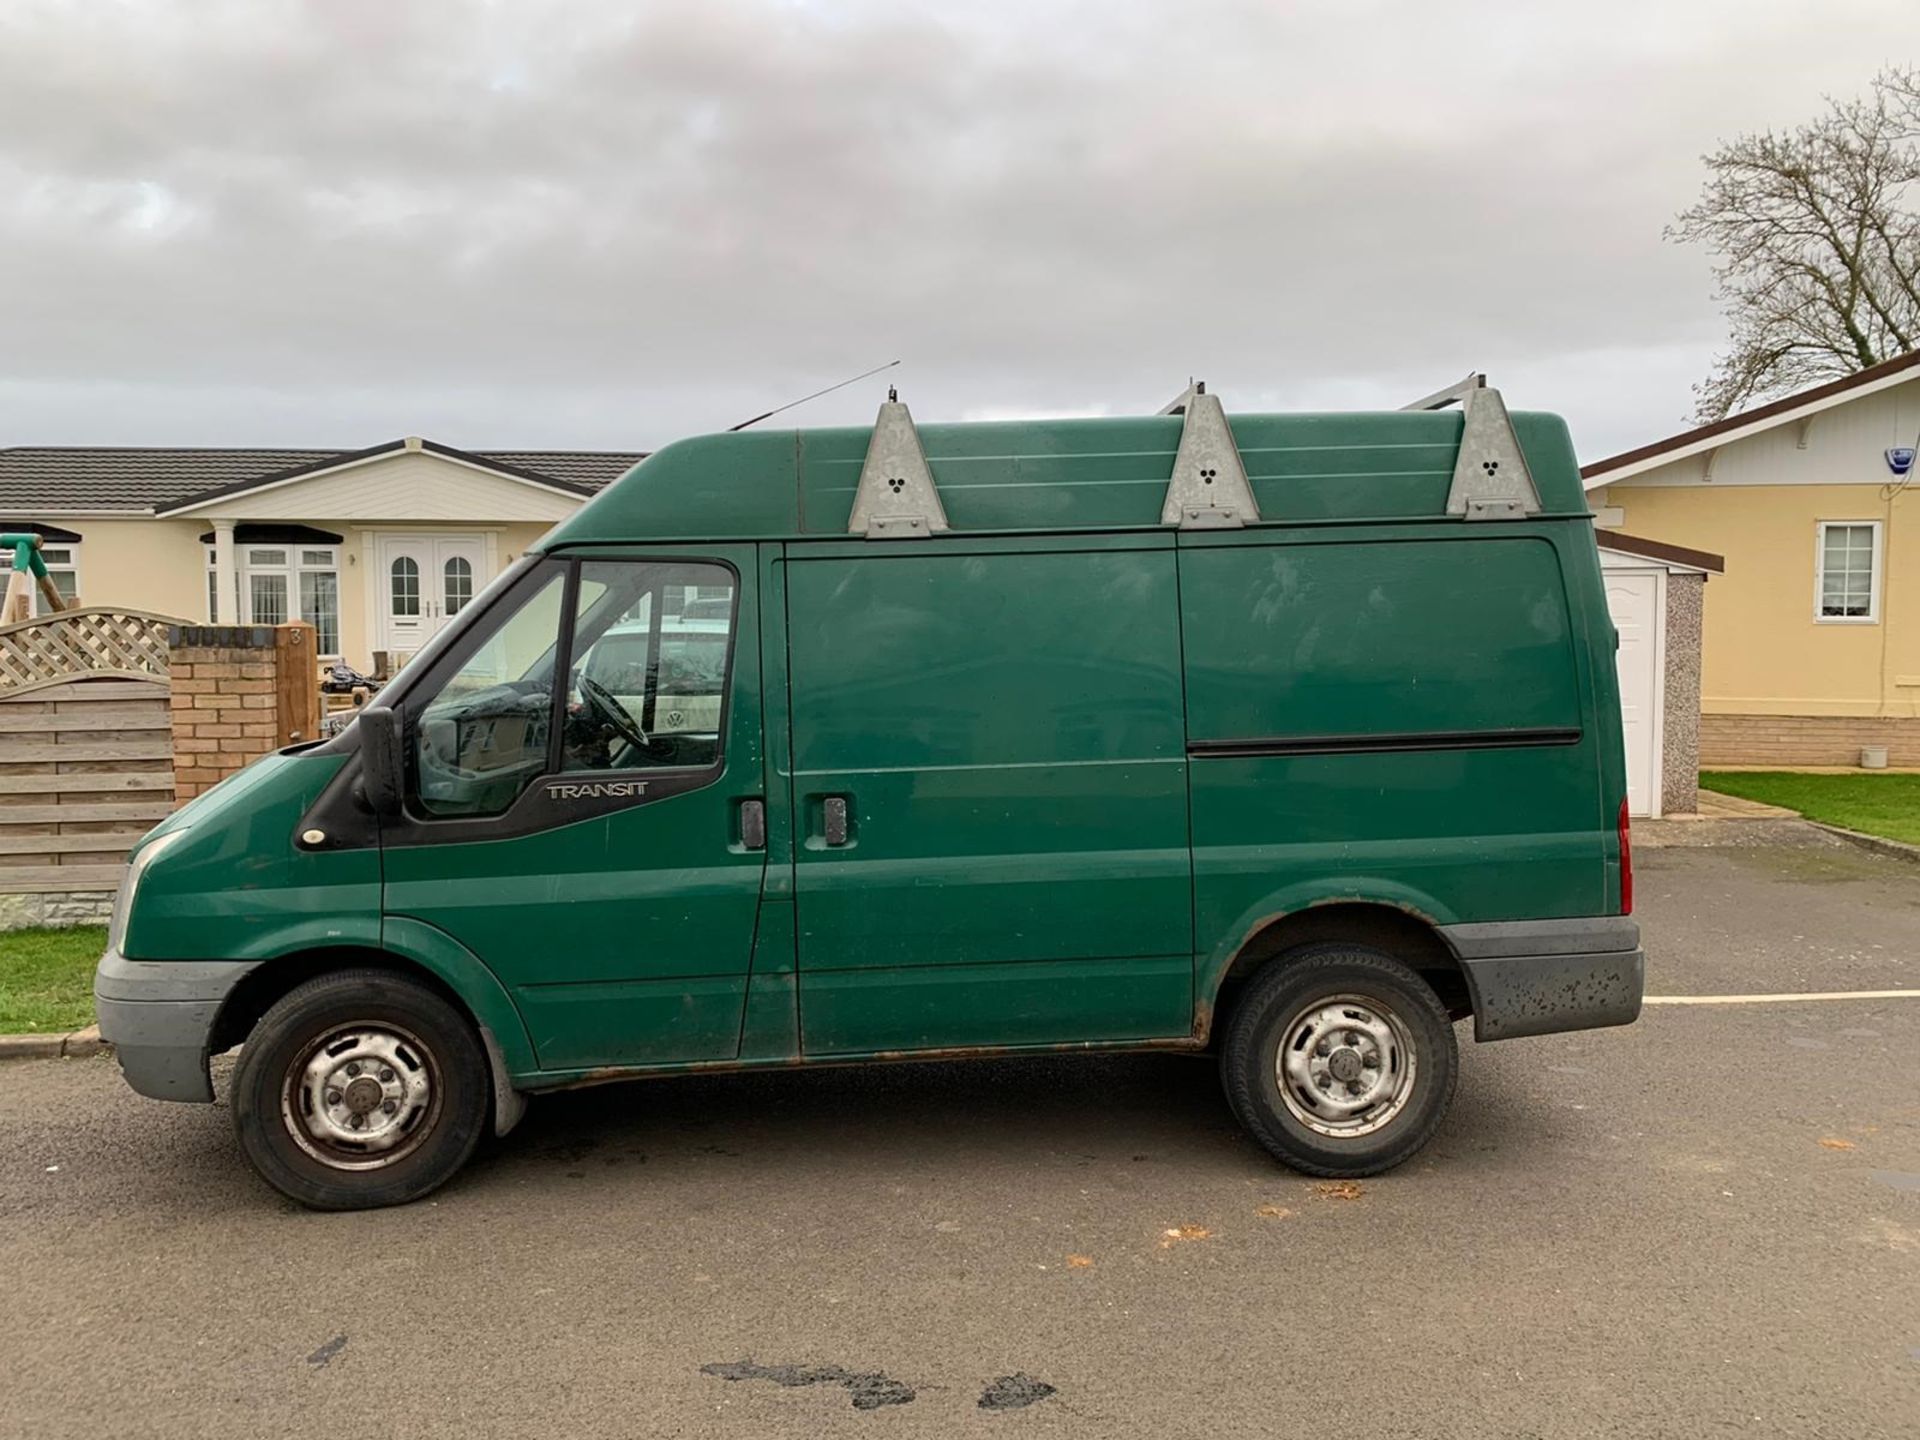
(1626, 864)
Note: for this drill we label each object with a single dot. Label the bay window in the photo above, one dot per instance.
(282, 582)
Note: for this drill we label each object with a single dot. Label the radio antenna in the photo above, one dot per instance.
(814, 396)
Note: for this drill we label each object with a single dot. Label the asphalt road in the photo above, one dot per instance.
(1706, 1224)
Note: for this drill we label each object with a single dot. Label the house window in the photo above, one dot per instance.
(1847, 572)
(63, 568)
(458, 580)
(698, 602)
(279, 583)
(265, 577)
(320, 602)
(404, 577)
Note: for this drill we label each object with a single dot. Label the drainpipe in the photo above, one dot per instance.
(1889, 702)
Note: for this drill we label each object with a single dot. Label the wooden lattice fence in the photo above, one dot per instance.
(95, 643)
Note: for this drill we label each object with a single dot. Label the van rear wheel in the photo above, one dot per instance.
(360, 1089)
(1340, 1060)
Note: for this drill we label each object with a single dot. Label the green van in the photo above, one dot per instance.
(1289, 740)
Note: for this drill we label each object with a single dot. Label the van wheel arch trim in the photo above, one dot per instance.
(1235, 964)
(463, 972)
(413, 946)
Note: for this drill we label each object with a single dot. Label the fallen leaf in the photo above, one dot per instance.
(1834, 1142)
(1079, 1262)
(1184, 1232)
(1272, 1212)
(1340, 1190)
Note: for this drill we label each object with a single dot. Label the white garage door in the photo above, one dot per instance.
(1634, 601)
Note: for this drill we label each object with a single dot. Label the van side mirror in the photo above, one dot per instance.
(382, 763)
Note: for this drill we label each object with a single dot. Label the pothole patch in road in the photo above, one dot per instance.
(870, 1389)
(1015, 1392)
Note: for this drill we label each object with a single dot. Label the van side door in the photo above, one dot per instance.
(584, 765)
(990, 793)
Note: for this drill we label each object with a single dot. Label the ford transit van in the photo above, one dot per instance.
(1288, 740)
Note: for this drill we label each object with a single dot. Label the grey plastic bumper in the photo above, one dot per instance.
(158, 1015)
(1539, 977)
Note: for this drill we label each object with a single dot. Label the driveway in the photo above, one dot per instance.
(1707, 1223)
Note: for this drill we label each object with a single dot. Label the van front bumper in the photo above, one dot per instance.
(1539, 977)
(158, 1015)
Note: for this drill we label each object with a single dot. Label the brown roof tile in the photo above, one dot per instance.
(37, 480)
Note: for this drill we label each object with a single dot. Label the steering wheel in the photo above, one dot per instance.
(612, 713)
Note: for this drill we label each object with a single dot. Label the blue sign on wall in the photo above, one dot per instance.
(1900, 459)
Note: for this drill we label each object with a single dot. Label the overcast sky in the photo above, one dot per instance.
(604, 225)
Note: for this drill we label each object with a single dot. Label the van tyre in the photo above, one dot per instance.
(360, 1089)
(1340, 1060)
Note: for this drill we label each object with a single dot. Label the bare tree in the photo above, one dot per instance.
(1817, 237)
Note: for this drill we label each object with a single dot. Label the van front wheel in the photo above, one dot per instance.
(360, 1089)
(1339, 1060)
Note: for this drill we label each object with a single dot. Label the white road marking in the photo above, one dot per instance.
(1789, 999)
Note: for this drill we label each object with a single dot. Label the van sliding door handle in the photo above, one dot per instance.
(833, 816)
(753, 825)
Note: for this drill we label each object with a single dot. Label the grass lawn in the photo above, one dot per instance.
(1886, 805)
(46, 979)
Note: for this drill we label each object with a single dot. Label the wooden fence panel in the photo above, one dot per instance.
(86, 764)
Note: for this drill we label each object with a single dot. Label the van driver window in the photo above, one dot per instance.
(484, 737)
(647, 679)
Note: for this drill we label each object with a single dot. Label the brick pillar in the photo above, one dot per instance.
(238, 692)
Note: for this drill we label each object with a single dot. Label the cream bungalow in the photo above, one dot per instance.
(377, 548)
(1812, 644)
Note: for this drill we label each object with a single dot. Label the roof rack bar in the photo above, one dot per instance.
(1439, 400)
(1178, 405)
(1459, 390)
(1491, 480)
(896, 498)
(1208, 489)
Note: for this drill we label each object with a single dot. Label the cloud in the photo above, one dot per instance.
(576, 224)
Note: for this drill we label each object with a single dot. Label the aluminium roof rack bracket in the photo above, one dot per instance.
(1208, 489)
(1491, 480)
(896, 498)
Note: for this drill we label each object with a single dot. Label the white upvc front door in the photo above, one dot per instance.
(423, 581)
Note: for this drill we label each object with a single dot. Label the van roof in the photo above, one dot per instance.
(1054, 475)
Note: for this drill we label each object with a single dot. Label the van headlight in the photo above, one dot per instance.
(123, 902)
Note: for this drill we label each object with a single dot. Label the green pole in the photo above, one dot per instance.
(26, 554)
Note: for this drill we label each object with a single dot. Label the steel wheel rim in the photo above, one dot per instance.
(362, 1096)
(1346, 1066)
